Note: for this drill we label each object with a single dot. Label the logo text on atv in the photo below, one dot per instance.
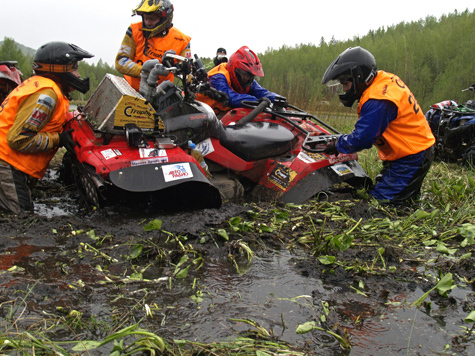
(178, 171)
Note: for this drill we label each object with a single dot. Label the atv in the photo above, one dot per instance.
(132, 144)
(453, 126)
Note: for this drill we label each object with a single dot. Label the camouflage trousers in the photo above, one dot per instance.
(15, 189)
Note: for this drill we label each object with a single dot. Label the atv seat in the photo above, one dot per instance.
(257, 140)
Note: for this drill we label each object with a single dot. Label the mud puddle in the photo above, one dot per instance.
(113, 268)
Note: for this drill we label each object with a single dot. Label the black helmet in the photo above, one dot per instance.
(355, 64)
(60, 59)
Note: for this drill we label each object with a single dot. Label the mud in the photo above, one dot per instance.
(104, 265)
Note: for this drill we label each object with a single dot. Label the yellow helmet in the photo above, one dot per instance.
(162, 7)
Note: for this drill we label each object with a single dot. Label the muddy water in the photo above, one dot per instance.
(279, 289)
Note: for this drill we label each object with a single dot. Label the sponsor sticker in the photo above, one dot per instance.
(282, 176)
(152, 152)
(206, 147)
(141, 162)
(310, 157)
(342, 169)
(173, 172)
(37, 117)
(111, 153)
(46, 101)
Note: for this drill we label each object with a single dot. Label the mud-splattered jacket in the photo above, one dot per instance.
(136, 49)
(31, 119)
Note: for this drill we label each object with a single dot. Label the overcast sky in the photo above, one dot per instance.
(98, 26)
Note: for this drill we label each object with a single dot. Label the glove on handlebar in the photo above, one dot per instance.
(66, 141)
(331, 149)
(266, 99)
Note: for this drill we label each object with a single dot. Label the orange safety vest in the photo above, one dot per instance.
(35, 164)
(409, 133)
(156, 47)
(216, 105)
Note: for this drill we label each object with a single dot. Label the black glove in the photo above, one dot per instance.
(331, 149)
(218, 95)
(266, 99)
(280, 101)
(66, 141)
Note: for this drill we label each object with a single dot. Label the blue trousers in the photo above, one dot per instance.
(401, 179)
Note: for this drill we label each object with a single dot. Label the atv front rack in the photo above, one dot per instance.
(317, 144)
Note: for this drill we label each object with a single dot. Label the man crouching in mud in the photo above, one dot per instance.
(32, 118)
(389, 118)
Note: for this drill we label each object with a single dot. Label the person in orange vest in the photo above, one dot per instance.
(389, 118)
(32, 118)
(150, 39)
(236, 79)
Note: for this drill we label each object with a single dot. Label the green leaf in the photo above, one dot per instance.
(235, 221)
(153, 225)
(223, 234)
(306, 327)
(445, 285)
(326, 260)
(441, 248)
(265, 228)
(421, 214)
(137, 250)
(86, 345)
(471, 317)
(183, 273)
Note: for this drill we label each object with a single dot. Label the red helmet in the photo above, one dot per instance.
(243, 66)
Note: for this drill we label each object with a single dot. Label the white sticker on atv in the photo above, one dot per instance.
(152, 152)
(172, 172)
(342, 169)
(155, 160)
(110, 153)
(206, 147)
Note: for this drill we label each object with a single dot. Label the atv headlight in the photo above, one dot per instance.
(134, 136)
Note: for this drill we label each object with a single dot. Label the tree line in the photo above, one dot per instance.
(434, 57)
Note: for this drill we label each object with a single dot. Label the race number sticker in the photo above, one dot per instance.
(309, 157)
(342, 169)
(173, 172)
(111, 153)
(282, 176)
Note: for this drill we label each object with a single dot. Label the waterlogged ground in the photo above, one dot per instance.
(254, 270)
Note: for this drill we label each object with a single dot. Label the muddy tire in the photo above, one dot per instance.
(71, 174)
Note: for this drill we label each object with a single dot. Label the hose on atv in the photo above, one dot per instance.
(253, 114)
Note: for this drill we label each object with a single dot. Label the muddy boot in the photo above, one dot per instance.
(230, 188)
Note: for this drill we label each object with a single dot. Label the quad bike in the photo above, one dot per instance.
(131, 144)
(453, 126)
(10, 77)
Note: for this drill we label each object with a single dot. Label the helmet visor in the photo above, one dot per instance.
(340, 80)
(245, 78)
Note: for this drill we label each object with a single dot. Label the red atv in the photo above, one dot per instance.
(10, 77)
(133, 145)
